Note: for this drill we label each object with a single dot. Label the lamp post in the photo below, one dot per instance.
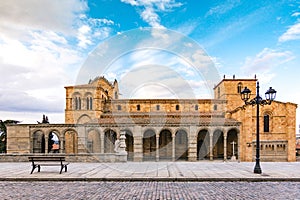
(270, 96)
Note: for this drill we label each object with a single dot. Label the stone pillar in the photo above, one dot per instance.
(211, 135)
(225, 145)
(137, 144)
(61, 145)
(173, 147)
(46, 144)
(101, 142)
(192, 144)
(157, 148)
(122, 154)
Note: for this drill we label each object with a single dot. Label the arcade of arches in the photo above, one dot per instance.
(149, 145)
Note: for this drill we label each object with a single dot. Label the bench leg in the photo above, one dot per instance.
(33, 167)
(61, 168)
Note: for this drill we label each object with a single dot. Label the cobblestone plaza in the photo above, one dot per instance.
(150, 190)
(152, 180)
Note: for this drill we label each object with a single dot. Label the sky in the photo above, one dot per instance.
(47, 45)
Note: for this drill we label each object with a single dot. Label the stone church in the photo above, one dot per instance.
(163, 129)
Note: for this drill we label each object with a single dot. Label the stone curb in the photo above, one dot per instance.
(36, 179)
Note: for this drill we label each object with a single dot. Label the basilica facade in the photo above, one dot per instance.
(163, 129)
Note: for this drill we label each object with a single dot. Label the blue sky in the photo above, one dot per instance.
(44, 44)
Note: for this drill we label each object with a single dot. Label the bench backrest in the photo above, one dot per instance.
(46, 158)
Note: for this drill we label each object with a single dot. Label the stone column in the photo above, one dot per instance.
(101, 142)
(225, 145)
(137, 144)
(173, 147)
(157, 148)
(211, 135)
(192, 144)
(122, 154)
(61, 145)
(46, 144)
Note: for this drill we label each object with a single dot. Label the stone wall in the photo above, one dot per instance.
(107, 157)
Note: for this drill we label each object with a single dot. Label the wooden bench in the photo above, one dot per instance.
(38, 161)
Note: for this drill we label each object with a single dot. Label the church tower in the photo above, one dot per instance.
(230, 89)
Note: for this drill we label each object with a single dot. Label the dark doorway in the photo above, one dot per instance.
(149, 145)
(203, 145)
(181, 145)
(165, 145)
(129, 145)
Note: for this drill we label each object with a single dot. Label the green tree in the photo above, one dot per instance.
(3, 133)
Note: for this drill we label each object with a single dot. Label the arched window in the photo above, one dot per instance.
(77, 103)
(89, 103)
(138, 107)
(266, 123)
(177, 107)
(196, 107)
(239, 88)
(219, 93)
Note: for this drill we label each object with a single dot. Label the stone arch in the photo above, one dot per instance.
(232, 136)
(93, 141)
(83, 119)
(71, 141)
(165, 144)
(129, 144)
(149, 145)
(38, 142)
(203, 144)
(53, 141)
(218, 144)
(110, 138)
(181, 145)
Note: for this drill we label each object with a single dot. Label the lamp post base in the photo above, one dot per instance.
(257, 169)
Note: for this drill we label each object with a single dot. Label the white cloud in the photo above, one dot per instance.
(293, 33)
(151, 8)
(41, 51)
(223, 8)
(17, 17)
(93, 30)
(296, 14)
(263, 63)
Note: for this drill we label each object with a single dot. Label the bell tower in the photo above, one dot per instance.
(230, 89)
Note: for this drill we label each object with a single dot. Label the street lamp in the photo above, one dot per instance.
(270, 96)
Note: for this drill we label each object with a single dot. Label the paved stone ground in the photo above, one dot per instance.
(149, 171)
(149, 190)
